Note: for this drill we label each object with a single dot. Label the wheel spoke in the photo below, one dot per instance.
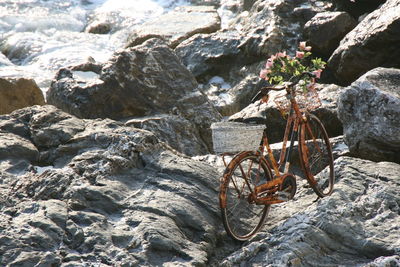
(243, 218)
(316, 155)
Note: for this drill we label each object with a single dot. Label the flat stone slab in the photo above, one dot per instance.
(178, 25)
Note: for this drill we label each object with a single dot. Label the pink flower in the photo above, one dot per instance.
(317, 73)
(263, 74)
(269, 63)
(299, 54)
(303, 47)
(281, 54)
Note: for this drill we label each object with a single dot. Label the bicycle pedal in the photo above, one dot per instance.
(283, 196)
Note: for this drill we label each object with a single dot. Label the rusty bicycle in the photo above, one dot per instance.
(254, 180)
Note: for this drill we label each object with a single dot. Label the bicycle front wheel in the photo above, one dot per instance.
(316, 156)
(243, 218)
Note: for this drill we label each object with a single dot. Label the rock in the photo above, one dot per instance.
(273, 26)
(4, 61)
(209, 53)
(205, 2)
(99, 27)
(114, 194)
(228, 100)
(369, 110)
(373, 43)
(52, 127)
(177, 25)
(135, 82)
(19, 93)
(173, 130)
(140, 81)
(363, 210)
(357, 8)
(325, 30)
(328, 112)
(271, 115)
(15, 147)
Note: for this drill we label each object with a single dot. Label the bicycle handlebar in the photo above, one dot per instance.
(265, 90)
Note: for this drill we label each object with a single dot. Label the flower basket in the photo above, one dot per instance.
(230, 137)
(307, 101)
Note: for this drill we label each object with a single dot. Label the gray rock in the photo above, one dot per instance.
(113, 194)
(140, 81)
(357, 8)
(177, 25)
(135, 82)
(373, 43)
(325, 30)
(209, 53)
(13, 146)
(19, 93)
(363, 210)
(230, 100)
(51, 127)
(173, 130)
(369, 110)
(205, 2)
(273, 26)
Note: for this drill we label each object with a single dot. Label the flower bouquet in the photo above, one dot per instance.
(283, 68)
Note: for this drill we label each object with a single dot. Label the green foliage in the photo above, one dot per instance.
(282, 67)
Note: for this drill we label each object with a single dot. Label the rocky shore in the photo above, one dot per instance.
(115, 167)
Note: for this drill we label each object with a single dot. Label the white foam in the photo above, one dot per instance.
(43, 36)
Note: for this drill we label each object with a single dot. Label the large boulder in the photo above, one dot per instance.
(325, 30)
(110, 193)
(272, 26)
(356, 226)
(370, 112)
(140, 81)
(178, 25)
(19, 93)
(357, 8)
(134, 82)
(209, 53)
(373, 43)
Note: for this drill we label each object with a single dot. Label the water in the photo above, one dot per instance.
(38, 37)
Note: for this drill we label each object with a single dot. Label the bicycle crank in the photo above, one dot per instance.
(288, 187)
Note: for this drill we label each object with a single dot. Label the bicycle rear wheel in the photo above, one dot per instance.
(316, 156)
(243, 218)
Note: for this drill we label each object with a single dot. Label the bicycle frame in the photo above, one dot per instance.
(295, 118)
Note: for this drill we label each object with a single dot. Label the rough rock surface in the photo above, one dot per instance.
(209, 53)
(373, 43)
(177, 25)
(140, 81)
(269, 22)
(356, 226)
(174, 130)
(19, 93)
(370, 112)
(357, 8)
(105, 193)
(109, 194)
(325, 30)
